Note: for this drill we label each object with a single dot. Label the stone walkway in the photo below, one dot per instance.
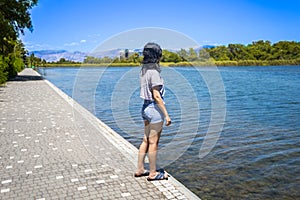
(52, 148)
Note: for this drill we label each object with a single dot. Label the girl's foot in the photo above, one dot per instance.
(140, 174)
(161, 175)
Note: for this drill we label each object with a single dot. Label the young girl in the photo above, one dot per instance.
(153, 111)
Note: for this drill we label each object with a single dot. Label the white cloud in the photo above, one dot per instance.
(72, 44)
(34, 46)
(75, 43)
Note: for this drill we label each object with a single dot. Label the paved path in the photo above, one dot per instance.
(52, 148)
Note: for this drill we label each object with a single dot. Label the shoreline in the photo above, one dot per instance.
(181, 64)
(124, 146)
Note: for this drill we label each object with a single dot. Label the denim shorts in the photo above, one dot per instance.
(151, 112)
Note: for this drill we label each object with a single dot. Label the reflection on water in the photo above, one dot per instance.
(258, 153)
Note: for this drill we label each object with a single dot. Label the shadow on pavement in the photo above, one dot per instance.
(26, 78)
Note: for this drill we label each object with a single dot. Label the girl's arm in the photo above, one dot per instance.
(160, 103)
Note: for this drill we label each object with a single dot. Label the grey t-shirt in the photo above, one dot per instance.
(149, 80)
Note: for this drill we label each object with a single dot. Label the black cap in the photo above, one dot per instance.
(152, 53)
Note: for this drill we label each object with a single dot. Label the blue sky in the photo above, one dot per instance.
(77, 25)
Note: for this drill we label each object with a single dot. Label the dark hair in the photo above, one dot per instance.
(152, 53)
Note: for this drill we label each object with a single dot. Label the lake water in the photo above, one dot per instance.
(257, 153)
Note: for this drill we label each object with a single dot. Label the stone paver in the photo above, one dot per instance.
(52, 148)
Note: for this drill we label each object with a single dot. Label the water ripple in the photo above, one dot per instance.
(257, 155)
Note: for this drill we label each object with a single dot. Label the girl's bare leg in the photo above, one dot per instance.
(143, 149)
(153, 139)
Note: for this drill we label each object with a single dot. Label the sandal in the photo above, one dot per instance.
(158, 177)
(146, 173)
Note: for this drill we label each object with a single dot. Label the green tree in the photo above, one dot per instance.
(286, 50)
(16, 14)
(183, 54)
(239, 52)
(203, 55)
(134, 58)
(92, 60)
(260, 49)
(168, 56)
(62, 61)
(44, 62)
(31, 60)
(34, 61)
(3, 69)
(192, 56)
(15, 58)
(14, 19)
(219, 53)
(106, 59)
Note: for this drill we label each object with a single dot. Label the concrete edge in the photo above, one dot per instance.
(128, 150)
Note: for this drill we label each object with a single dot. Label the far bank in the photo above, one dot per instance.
(183, 64)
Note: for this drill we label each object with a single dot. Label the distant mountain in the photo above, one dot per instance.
(55, 55)
(109, 53)
(77, 56)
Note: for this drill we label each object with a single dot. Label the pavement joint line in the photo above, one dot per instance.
(6, 181)
(127, 194)
(74, 180)
(114, 176)
(82, 188)
(88, 170)
(5, 190)
(100, 181)
(59, 177)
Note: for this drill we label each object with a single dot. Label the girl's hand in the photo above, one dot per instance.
(168, 121)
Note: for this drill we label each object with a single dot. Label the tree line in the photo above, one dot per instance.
(14, 19)
(257, 53)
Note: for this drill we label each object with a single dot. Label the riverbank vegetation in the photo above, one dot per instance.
(258, 53)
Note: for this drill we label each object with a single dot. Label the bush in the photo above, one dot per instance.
(3, 69)
(9, 67)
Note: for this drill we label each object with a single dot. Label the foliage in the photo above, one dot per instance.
(14, 19)
(64, 61)
(3, 69)
(168, 56)
(13, 61)
(133, 58)
(32, 61)
(15, 14)
(258, 53)
(94, 60)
